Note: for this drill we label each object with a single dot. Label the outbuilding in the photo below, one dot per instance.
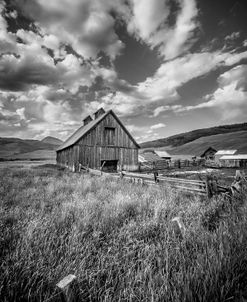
(221, 153)
(209, 153)
(163, 154)
(102, 142)
(234, 161)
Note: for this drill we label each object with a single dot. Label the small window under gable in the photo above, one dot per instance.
(109, 135)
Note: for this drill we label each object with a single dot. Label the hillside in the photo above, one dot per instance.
(184, 138)
(52, 140)
(234, 140)
(35, 155)
(12, 146)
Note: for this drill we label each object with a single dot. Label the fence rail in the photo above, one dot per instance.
(167, 164)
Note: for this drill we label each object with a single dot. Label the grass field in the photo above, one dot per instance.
(117, 238)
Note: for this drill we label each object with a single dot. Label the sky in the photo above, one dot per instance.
(163, 66)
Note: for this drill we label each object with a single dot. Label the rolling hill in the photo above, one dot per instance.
(184, 138)
(52, 140)
(234, 140)
(35, 155)
(12, 148)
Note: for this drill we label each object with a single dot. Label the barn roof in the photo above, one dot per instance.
(226, 152)
(83, 130)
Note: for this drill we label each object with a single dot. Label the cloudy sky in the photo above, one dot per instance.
(164, 66)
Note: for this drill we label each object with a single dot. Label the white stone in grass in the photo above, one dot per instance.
(178, 227)
(68, 288)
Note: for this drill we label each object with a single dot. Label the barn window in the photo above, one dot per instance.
(109, 135)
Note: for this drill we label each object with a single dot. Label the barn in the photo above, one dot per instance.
(209, 153)
(102, 142)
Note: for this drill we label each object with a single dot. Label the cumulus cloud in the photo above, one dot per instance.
(150, 23)
(144, 133)
(157, 126)
(230, 98)
(233, 36)
(156, 94)
(87, 26)
(147, 17)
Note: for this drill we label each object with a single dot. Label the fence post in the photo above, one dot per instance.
(211, 186)
(156, 177)
(68, 289)
(208, 188)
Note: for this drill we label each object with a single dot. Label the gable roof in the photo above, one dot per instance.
(208, 149)
(226, 152)
(83, 130)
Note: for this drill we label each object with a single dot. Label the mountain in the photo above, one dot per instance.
(10, 147)
(184, 138)
(52, 140)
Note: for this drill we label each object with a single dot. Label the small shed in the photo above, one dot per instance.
(221, 153)
(163, 154)
(102, 142)
(148, 156)
(234, 161)
(209, 153)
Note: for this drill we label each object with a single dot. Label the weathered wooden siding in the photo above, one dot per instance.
(93, 156)
(94, 147)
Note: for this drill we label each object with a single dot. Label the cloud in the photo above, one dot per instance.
(150, 22)
(90, 21)
(156, 94)
(233, 36)
(230, 98)
(147, 17)
(157, 126)
(21, 113)
(144, 133)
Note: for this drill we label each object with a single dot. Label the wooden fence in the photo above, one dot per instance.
(193, 186)
(209, 187)
(160, 165)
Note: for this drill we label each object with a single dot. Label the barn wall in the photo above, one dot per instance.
(69, 157)
(92, 156)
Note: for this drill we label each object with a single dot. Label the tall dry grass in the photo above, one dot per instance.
(117, 239)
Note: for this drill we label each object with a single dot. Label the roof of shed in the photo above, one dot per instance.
(83, 130)
(238, 156)
(148, 156)
(162, 153)
(226, 152)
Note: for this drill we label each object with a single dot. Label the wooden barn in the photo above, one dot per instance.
(209, 153)
(102, 142)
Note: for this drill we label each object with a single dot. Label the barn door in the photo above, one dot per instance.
(109, 165)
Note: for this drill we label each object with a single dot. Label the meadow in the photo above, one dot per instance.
(117, 238)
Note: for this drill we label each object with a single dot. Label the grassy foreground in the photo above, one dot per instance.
(117, 239)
